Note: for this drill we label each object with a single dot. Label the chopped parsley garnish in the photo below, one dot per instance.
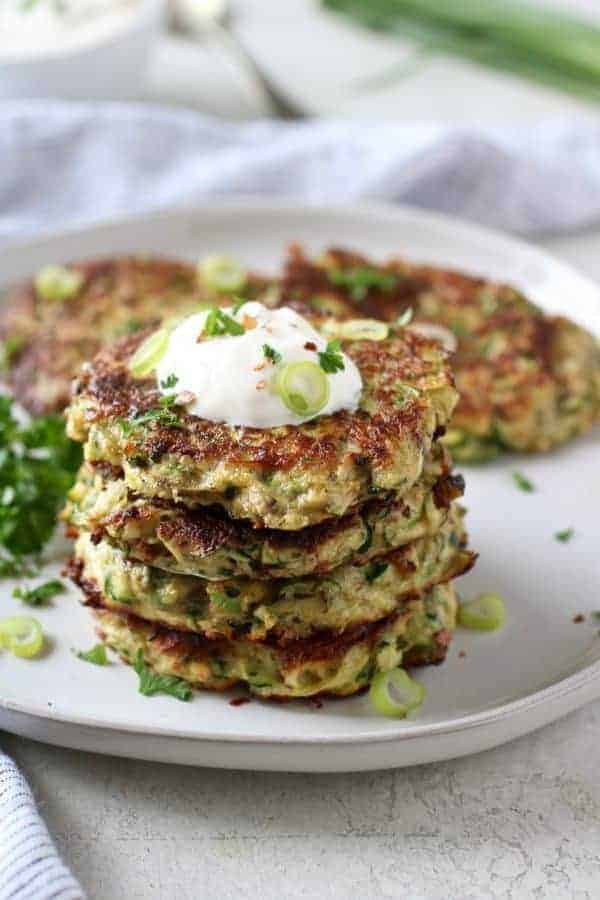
(272, 354)
(39, 595)
(331, 359)
(97, 655)
(218, 323)
(227, 603)
(169, 382)
(38, 464)
(374, 570)
(163, 415)
(523, 483)
(360, 280)
(405, 318)
(564, 536)
(9, 348)
(152, 683)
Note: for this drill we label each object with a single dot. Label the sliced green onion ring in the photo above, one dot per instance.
(484, 613)
(395, 693)
(303, 387)
(149, 353)
(221, 273)
(364, 330)
(22, 635)
(356, 329)
(57, 283)
(435, 332)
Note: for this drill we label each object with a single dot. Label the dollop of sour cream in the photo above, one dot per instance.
(231, 379)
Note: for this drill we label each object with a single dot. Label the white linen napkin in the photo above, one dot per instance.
(82, 162)
(30, 868)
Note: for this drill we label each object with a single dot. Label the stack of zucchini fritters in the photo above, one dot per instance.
(298, 560)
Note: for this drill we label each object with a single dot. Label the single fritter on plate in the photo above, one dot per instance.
(46, 338)
(206, 543)
(418, 633)
(281, 610)
(527, 381)
(285, 477)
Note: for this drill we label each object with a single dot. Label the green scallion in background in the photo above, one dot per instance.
(540, 44)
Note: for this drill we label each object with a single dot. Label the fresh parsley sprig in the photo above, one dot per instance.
(38, 464)
(39, 595)
(219, 323)
(152, 683)
(272, 354)
(331, 359)
(361, 279)
(97, 655)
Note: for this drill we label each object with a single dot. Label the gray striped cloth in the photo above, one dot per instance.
(30, 867)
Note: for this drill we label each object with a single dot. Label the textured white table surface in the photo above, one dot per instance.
(517, 822)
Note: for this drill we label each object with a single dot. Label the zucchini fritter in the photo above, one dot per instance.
(206, 543)
(282, 610)
(527, 381)
(46, 341)
(287, 477)
(342, 664)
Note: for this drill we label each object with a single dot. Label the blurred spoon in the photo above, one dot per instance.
(212, 19)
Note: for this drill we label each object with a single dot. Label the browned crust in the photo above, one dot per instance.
(59, 336)
(277, 639)
(206, 530)
(111, 394)
(532, 336)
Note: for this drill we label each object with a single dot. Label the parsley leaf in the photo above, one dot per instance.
(218, 323)
(152, 683)
(240, 301)
(169, 382)
(331, 359)
(360, 280)
(523, 483)
(163, 415)
(227, 602)
(374, 570)
(38, 464)
(97, 655)
(564, 536)
(272, 354)
(41, 594)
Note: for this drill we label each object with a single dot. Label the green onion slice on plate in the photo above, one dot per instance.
(149, 353)
(303, 387)
(222, 274)
(484, 613)
(22, 635)
(57, 283)
(395, 693)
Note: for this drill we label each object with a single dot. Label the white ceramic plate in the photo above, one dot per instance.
(539, 667)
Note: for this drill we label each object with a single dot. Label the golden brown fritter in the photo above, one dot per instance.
(46, 341)
(287, 477)
(527, 381)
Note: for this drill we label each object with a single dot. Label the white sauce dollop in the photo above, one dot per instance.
(52, 28)
(231, 379)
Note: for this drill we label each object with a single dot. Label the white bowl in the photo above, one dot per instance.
(111, 68)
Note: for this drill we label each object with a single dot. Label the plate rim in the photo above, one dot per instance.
(248, 204)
